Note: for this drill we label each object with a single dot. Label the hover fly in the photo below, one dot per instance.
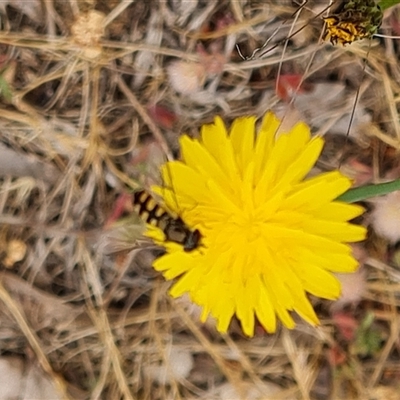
(174, 228)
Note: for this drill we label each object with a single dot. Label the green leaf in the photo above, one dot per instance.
(5, 90)
(385, 4)
(368, 191)
(368, 341)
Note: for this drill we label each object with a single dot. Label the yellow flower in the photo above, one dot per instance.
(269, 234)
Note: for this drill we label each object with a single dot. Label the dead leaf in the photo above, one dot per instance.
(43, 309)
(31, 8)
(22, 380)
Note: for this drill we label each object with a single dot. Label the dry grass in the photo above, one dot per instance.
(95, 95)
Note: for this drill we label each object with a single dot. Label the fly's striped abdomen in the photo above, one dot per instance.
(148, 209)
(174, 229)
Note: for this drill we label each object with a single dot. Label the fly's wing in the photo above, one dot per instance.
(123, 229)
(127, 224)
(126, 234)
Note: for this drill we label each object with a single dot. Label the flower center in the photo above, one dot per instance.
(248, 227)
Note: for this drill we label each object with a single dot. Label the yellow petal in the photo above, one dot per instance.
(342, 262)
(216, 141)
(265, 310)
(317, 281)
(198, 158)
(337, 211)
(340, 231)
(245, 310)
(299, 164)
(316, 192)
(243, 140)
(264, 143)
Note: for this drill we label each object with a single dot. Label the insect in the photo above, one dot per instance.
(174, 229)
(318, 66)
(354, 20)
(335, 89)
(351, 21)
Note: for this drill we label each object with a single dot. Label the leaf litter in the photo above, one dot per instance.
(94, 90)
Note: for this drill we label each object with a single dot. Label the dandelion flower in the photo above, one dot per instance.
(270, 235)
